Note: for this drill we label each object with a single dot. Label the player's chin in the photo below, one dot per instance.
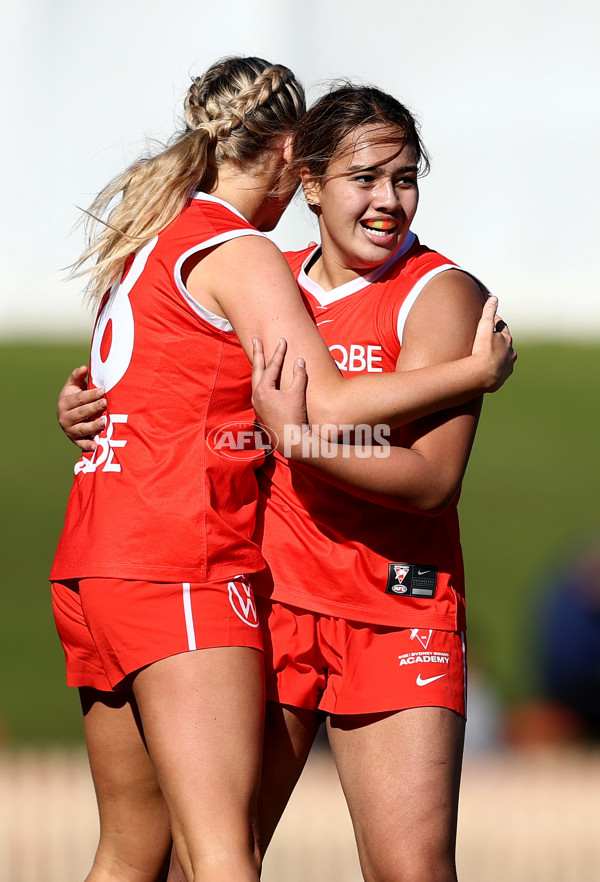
(373, 256)
(388, 242)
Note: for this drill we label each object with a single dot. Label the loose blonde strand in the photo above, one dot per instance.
(153, 192)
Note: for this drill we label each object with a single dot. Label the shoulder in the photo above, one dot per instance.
(420, 259)
(444, 316)
(203, 225)
(413, 269)
(451, 292)
(246, 260)
(425, 263)
(455, 285)
(437, 276)
(295, 259)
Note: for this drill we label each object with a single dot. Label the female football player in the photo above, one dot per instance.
(362, 602)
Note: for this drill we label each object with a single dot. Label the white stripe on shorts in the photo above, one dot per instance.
(189, 618)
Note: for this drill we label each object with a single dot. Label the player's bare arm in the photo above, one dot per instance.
(80, 410)
(268, 306)
(425, 476)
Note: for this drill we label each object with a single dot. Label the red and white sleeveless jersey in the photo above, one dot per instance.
(156, 500)
(327, 550)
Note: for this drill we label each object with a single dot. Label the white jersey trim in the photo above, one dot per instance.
(325, 298)
(217, 321)
(208, 197)
(409, 300)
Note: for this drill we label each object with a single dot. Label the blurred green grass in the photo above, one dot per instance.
(530, 499)
(37, 463)
(530, 495)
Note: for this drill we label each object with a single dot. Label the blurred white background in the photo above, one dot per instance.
(507, 94)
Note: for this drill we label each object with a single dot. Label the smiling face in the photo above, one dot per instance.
(366, 202)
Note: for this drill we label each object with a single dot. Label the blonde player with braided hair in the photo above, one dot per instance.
(230, 113)
(150, 581)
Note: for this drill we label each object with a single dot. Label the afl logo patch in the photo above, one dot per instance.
(242, 601)
(400, 571)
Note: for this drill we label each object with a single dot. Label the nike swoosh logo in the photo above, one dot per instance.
(422, 682)
(422, 572)
(325, 322)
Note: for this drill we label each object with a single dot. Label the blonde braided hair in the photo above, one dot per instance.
(232, 113)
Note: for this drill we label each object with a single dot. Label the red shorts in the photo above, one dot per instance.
(110, 628)
(333, 665)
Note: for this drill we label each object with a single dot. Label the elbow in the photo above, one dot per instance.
(429, 508)
(331, 415)
(436, 502)
(330, 407)
(435, 510)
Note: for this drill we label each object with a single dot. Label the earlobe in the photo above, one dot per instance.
(288, 149)
(310, 186)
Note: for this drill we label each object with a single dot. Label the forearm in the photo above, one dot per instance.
(271, 309)
(394, 477)
(396, 399)
(426, 382)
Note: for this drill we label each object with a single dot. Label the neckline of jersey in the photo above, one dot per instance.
(325, 298)
(208, 197)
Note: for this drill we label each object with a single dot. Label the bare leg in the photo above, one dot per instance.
(135, 837)
(202, 713)
(401, 773)
(289, 736)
